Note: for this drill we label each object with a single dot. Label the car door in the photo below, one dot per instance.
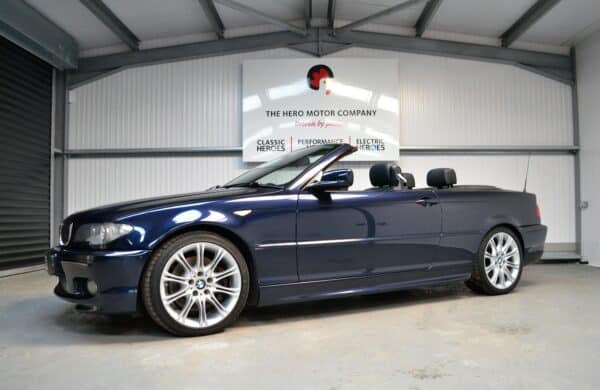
(361, 233)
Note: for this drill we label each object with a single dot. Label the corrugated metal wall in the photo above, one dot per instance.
(25, 126)
(588, 87)
(443, 101)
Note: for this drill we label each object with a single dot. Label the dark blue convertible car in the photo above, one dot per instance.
(288, 231)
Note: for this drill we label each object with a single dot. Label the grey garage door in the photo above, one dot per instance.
(25, 128)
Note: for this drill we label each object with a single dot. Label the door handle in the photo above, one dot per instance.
(426, 202)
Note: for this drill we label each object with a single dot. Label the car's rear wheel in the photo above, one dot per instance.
(497, 269)
(195, 284)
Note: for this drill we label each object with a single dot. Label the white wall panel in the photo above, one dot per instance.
(444, 101)
(188, 103)
(588, 86)
(99, 181)
(448, 101)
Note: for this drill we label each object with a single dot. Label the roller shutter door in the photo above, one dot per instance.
(25, 131)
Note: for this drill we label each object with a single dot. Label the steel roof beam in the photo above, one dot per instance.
(330, 13)
(560, 65)
(455, 49)
(25, 26)
(528, 19)
(377, 15)
(307, 13)
(110, 20)
(194, 50)
(213, 17)
(425, 18)
(253, 12)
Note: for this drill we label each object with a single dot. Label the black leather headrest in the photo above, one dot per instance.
(410, 180)
(384, 174)
(441, 177)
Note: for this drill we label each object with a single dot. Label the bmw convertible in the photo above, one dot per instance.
(293, 230)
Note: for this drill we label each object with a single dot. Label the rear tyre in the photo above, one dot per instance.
(195, 284)
(498, 266)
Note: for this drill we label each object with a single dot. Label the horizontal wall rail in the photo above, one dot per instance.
(405, 150)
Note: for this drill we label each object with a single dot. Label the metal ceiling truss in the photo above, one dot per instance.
(331, 13)
(110, 20)
(213, 17)
(307, 13)
(376, 15)
(25, 26)
(319, 42)
(426, 15)
(259, 14)
(532, 15)
(323, 41)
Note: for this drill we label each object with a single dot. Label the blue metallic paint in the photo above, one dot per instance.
(304, 246)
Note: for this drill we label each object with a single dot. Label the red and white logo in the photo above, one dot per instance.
(319, 74)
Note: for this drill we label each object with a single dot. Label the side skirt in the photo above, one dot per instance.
(338, 288)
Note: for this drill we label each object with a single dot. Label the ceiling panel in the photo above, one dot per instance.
(154, 19)
(78, 21)
(354, 10)
(488, 18)
(281, 9)
(569, 20)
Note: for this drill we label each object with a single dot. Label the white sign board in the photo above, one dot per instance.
(291, 104)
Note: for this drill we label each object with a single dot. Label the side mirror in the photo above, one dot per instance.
(336, 179)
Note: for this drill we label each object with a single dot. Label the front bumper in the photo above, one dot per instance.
(534, 238)
(116, 275)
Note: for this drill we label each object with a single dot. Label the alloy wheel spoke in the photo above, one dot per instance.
(217, 305)
(499, 245)
(489, 268)
(202, 318)
(213, 265)
(508, 275)
(494, 278)
(200, 256)
(171, 277)
(177, 295)
(189, 303)
(501, 279)
(225, 274)
(511, 253)
(180, 258)
(226, 290)
(507, 245)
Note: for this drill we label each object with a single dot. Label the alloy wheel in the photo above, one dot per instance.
(502, 260)
(200, 285)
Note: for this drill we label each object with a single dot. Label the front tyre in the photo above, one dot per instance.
(498, 265)
(195, 284)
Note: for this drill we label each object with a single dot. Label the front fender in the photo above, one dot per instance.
(154, 226)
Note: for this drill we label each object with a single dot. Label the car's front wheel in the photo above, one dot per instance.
(195, 284)
(498, 265)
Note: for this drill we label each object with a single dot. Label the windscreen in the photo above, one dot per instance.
(282, 170)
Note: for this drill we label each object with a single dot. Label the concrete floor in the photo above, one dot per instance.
(544, 335)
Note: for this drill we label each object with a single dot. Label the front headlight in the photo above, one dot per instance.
(100, 234)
